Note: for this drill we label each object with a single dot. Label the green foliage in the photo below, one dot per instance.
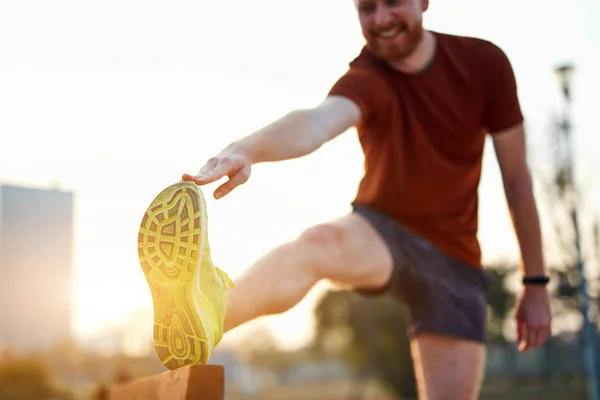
(26, 378)
(562, 196)
(372, 334)
(500, 301)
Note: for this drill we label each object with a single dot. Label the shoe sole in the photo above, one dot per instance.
(171, 243)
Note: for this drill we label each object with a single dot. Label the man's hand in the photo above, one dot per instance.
(233, 165)
(533, 317)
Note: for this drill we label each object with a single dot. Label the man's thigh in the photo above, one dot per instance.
(443, 295)
(447, 368)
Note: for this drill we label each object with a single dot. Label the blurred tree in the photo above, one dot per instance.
(27, 378)
(562, 198)
(261, 350)
(372, 334)
(597, 236)
(7, 355)
(122, 371)
(500, 301)
(259, 345)
(64, 358)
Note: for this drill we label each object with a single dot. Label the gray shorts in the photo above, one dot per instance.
(443, 295)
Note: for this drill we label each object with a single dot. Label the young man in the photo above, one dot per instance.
(422, 103)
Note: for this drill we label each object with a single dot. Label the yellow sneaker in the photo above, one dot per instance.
(188, 292)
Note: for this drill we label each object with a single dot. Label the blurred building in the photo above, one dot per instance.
(36, 267)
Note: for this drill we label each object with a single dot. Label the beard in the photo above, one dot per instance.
(399, 47)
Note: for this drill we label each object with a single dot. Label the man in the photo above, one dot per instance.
(422, 103)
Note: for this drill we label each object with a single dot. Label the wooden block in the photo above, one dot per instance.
(200, 382)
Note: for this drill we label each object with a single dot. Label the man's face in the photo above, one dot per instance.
(392, 28)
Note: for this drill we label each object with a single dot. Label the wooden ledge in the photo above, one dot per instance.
(199, 382)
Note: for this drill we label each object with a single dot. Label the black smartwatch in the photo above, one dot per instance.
(536, 280)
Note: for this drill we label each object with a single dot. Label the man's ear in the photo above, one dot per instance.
(424, 5)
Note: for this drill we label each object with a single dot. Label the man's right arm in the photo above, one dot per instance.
(295, 135)
(298, 133)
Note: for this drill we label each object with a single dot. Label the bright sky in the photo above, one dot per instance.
(114, 100)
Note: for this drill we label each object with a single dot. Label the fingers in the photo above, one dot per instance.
(533, 317)
(530, 341)
(188, 177)
(212, 171)
(217, 168)
(521, 330)
(522, 334)
(236, 180)
(543, 333)
(210, 166)
(534, 336)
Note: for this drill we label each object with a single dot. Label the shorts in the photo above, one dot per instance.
(443, 295)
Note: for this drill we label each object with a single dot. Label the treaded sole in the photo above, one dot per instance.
(169, 250)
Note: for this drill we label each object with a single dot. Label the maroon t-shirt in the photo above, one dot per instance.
(423, 136)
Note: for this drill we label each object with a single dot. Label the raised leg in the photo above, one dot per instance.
(347, 251)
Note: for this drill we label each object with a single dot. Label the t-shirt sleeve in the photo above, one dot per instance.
(362, 88)
(502, 109)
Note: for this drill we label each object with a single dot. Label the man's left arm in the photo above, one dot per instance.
(533, 307)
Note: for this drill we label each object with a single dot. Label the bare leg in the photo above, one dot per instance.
(347, 251)
(447, 368)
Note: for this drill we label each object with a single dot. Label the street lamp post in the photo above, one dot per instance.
(564, 74)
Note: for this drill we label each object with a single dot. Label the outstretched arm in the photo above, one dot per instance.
(533, 310)
(300, 132)
(294, 135)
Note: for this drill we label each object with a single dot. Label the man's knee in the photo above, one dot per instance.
(326, 242)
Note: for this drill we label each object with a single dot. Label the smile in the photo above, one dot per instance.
(390, 33)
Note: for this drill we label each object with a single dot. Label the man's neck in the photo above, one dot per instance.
(420, 58)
